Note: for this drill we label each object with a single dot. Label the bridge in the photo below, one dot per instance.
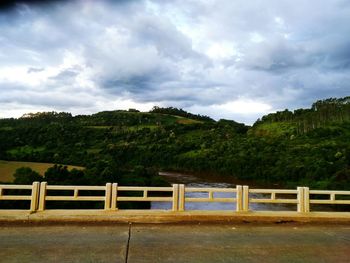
(39, 234)
(112, 194)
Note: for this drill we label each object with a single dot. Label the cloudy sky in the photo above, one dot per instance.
(227, 59)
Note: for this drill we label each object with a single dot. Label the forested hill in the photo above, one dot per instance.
(308, 147)
(324, 114)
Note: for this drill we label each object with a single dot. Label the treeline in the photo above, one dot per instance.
(322, 113)
(99, 173)
(180, 112)
(51, 115)
(122, 118)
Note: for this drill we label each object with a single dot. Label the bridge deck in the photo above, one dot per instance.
(176, 243)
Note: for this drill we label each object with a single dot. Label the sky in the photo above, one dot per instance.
(227, 59)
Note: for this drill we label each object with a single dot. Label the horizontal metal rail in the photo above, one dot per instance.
(177, 195)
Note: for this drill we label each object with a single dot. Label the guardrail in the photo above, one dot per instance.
(177, 195)
(331, 201)
(75, 190)
(183, 199)
(116, 190)
(33, 197)
(295, 197)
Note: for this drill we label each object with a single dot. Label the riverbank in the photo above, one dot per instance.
(211, 177)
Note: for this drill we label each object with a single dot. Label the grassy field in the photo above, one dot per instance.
(274, 129)
(99, 127)
(187, 121)
(8, 168)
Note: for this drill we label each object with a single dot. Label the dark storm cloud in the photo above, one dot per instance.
(7, 5)
(22, 95)
(66, 74)
(243, 60)
(34, 70)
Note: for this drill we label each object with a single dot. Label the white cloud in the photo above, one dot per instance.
(243, 110)
(223, 50)
(243, 106)
(227, 59)
(256, 37)
(16, 110)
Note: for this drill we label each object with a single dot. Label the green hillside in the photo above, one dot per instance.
(325, 115)
(308, 147)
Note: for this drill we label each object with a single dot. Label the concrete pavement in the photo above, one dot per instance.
(240, 243)
(175, 243)
(63, 243)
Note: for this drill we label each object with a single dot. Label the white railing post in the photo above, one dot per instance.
(239, 198)
(306, 199)
(245, 199)
(42, 196)
(108, 193)
(35, 197)
(301, 206)
(114, 196)
(181, 197)
(175, 191)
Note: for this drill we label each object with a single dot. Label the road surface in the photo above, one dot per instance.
(175, 243)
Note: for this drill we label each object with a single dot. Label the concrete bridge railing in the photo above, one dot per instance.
(112, 194)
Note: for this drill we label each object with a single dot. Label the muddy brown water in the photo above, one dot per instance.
(202, 181)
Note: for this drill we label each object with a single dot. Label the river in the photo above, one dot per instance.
(191, 180)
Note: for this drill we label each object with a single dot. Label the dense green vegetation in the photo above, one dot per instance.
(180, 112)
(308, 147)
(323, 113)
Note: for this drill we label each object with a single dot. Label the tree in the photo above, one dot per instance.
(26, 175)
(57, 174)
